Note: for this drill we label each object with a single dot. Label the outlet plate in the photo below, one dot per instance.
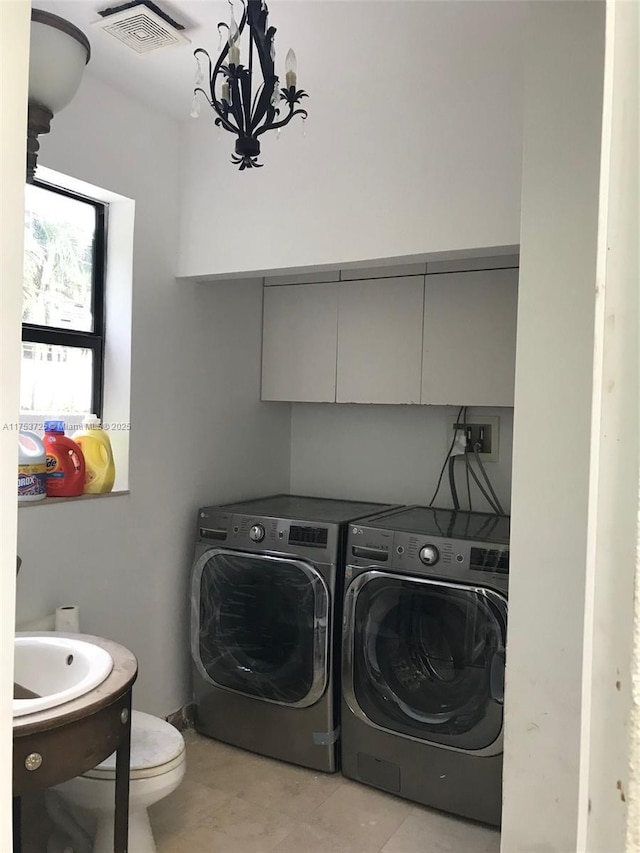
(492, 421)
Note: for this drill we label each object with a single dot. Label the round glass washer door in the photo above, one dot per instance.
(426, 659)
(259, 626)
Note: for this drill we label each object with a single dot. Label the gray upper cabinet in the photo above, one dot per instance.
(470, 338)
(380, 340)
(299, 343)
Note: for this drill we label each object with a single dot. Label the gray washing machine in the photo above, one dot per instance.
(424, 633)
(266, 581)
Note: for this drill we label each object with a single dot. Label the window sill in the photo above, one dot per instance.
(49, 501)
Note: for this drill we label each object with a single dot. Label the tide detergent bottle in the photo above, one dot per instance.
(100, 469)
(65, 462)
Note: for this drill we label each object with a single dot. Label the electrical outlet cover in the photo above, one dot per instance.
(493, 421)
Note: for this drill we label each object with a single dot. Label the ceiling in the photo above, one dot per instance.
(163, 78)
(321, 31)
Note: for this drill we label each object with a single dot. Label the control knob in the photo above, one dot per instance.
(256, 534)
(429, 555)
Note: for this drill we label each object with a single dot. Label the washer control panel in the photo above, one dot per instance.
(318, 542)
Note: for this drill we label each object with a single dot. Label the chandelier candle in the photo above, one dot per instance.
(290, 66)
(246, 99)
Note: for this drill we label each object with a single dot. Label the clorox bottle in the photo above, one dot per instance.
(32, 467)
(65, 462)
(100, 469)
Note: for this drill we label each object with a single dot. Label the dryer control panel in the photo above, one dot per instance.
(428, 555)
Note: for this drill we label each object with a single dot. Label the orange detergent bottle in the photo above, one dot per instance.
(100, 469)
(65, 462)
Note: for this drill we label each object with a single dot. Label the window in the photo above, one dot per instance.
(63, 310)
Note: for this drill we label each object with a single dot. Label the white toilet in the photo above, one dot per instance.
(157, 768)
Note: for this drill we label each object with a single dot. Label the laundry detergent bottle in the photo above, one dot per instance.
(32, 467)
(100, 469)
(65, 462)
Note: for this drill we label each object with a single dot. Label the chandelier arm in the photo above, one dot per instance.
(263, 106)
(256, 96)
(211, 99)
(276, 124)
(263, 47)
(201, 50)
(223, 121)
(221, 116)
(246, 101)
(263, 37)
(236, 105)
(218, 66)
(206, 97)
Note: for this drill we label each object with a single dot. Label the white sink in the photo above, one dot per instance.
(55, 670)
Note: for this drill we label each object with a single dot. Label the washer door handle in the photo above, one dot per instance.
(496, 676)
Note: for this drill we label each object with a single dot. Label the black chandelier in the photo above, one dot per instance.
(243, 108)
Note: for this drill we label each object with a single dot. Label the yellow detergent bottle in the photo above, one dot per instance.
(100, 469)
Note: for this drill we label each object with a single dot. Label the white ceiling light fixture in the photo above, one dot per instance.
(58, 54)
(142, 26)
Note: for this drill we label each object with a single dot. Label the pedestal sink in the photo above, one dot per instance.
(51, 670)
(76, 712)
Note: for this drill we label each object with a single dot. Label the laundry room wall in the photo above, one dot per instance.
(14, 77)
(386, 453)
(413, 142)
(546, 791)
(198, 431)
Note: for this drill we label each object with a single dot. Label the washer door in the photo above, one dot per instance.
(425, 659)
(259, 626)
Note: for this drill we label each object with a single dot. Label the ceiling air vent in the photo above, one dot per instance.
(142, 26)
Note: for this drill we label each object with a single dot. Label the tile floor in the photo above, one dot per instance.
(232, 801)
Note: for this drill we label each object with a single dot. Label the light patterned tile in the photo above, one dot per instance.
(207, 840)
(233, 801)
(312, 839)
(360, 816)
(196, 841)
(426, 831)
(291, 790)
(185, 809)
(239, 825)
(223, 767)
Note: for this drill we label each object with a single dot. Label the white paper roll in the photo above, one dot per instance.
(68, 618)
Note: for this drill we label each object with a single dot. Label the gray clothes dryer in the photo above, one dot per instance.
(265, 632)
(424, 638)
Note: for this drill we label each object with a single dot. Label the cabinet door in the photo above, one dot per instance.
(470, 338)
(380, 340)
(299, 334)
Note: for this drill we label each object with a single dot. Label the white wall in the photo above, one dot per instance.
(386, 453)
(551, 453)
(14, 75)
(610, 773)
(198, 430)
(413, 142)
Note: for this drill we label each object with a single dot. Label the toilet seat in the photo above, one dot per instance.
(156, 748)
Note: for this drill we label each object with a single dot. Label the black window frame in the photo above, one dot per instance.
(94, 340)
